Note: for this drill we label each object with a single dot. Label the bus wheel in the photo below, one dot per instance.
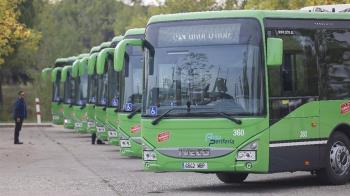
(99, 141)
(337, 167)
(232, 177)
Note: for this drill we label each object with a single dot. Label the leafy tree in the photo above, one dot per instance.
(15, 37)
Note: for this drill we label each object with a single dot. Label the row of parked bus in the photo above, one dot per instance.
(225, 92)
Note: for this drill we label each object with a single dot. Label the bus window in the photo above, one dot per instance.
(296, 81)
(335, 64)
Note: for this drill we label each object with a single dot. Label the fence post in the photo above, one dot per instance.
(37, 108)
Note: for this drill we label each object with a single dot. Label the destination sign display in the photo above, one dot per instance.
(205, 34)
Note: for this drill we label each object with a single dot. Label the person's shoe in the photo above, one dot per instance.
(18, 142)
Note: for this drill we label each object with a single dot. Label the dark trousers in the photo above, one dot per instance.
(18, 128)
(93, 138)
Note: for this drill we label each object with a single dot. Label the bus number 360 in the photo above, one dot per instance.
(238, 132)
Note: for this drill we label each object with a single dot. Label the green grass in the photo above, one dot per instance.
(42, 91)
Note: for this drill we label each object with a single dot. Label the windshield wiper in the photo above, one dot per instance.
(159, 118)
(235, 120)
(133, 113)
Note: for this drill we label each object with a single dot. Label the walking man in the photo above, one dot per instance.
(19, 114)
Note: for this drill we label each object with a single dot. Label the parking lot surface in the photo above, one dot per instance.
(57, 161)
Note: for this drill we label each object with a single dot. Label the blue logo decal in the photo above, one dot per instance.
(153, 110)
(115, 102)
(128, 107)
(103, 100)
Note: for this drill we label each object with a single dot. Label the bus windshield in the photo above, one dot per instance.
(113, 84)
(92, 88)
(204, 67)
(57, 93)
(81, 91)
(69, 89)
(132, 88)
(102, 84)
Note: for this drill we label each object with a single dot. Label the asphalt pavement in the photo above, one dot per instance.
(57, 161)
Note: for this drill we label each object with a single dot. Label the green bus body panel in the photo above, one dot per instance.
(90, 110)
(68, 116)
(135, 31)
(131, 129)
(112, 124)
(105, 45)
(95, 49)
(120, 52)
(57, 113)
(101, 59)
(117, 38)
(45, 73)
(301, 119)
(54, 73)
(65, 71)
(92, 63)
(75, 68)
(331, 116)
(194, 132)
(80, 118)
(260, 14)
(83, 63)
(100, 119)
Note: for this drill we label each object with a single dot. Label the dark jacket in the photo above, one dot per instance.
(20, 109)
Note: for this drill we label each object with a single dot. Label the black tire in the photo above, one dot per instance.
(230, 178)
(328, 175)
(99, 141)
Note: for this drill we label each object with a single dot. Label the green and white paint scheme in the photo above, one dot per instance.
(239, 92)
(102, 94)
(69, 96)
(80, 73)
(57, 88)
(129, 115)
(92, 89)
(105, 60)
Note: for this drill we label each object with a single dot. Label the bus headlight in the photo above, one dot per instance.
(248, 152)
(149, 155)
(125, 143)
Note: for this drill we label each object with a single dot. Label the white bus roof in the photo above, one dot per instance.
(328, 8)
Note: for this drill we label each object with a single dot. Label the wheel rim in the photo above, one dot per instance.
(339, 158)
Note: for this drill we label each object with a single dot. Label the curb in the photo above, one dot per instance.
(9, 125)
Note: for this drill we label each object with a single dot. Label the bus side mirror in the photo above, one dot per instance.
(274, 51)
(119, 52)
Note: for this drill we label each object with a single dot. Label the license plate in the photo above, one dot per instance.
(55, 117)
(194, 165)
(112, 134)
(100, 129)
(91, 124)
(78, 125)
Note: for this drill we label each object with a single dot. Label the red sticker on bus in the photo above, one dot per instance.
(345, 108)
(135, 128)
(163, 136)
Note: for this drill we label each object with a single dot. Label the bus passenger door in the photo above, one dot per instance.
(293, 102)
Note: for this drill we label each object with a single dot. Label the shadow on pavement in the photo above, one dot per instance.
(261, 186)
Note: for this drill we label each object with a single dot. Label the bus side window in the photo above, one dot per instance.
(334, 61)
(295, 82)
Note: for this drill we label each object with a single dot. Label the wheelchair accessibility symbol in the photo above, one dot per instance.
(153, 111)
(128, 107)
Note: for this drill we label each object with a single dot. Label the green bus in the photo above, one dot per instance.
(57, 88)
(69, 83)
(239, 92)
(129, 115)
(105, 64)
(101, 101)
(92, 93)
(79, 72)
